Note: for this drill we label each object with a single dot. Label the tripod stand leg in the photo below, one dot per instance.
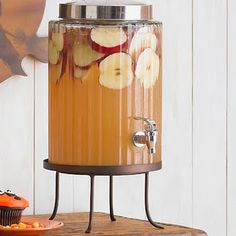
(88, 230)
(56, 197)
(147, 203)
(111, 199)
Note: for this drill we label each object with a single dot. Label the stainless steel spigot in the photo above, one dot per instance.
(147, 137)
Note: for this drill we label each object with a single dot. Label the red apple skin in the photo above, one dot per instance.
(108, 50)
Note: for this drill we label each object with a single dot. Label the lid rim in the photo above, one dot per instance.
(108, 12)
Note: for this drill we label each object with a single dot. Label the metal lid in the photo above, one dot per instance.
(106, 10)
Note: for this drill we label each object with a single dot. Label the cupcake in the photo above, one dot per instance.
(11, 207)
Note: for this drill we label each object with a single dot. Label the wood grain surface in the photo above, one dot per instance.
(75, 224)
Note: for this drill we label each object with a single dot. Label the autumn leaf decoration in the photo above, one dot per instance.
(19, 22)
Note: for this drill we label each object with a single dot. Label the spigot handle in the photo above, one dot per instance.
(149, 137)
(150, 125)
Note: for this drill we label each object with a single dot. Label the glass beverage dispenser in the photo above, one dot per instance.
(105, 89)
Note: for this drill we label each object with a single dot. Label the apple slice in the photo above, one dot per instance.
(53, 54)
(141, 40)
(116, 71)
(84, 74)
(108, 40)
(84, 55)
(58, 40)
(55, 46)
(55, 72)
(79, 73)
(147, 69)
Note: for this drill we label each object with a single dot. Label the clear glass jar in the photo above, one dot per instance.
(105, 87)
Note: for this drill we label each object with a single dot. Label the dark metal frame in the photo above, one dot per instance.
(110, 171)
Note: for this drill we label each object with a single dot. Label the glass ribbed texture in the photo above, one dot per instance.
(102, 76)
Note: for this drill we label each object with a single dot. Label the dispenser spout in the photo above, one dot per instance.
(151, 135)
(147, 137)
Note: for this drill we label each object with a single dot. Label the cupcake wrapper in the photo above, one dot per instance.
(9, 216)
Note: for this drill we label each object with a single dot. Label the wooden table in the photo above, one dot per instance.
(76, 223)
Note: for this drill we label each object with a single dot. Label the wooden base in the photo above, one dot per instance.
(76, 223)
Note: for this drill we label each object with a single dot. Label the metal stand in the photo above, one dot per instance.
(88, 230)
(57, 188)
(111, 199)
(69, 169)
(147, 202)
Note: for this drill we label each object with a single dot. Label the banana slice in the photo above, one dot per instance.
(58, 40)
(53, 54)
(116, 71)
(142, 39)
(147, 68)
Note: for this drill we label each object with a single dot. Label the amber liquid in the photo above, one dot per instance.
(90, 124)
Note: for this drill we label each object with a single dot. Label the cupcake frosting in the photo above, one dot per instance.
(9, 199)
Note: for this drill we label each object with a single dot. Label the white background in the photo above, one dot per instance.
(197, 186)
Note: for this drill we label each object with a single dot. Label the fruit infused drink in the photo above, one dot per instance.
(104, 80)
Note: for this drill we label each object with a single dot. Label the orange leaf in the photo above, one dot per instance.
(19, 22)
